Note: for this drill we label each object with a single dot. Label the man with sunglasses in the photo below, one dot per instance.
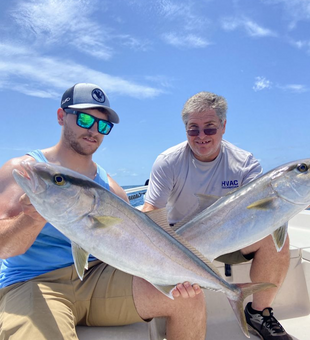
(41, 296)
(208, 164)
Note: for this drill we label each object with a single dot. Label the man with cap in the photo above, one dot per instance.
(41, 296)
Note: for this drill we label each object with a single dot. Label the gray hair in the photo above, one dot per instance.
(204, 101)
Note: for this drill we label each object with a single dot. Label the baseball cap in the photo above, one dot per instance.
(88, 96)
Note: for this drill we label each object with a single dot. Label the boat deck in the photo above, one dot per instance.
(291, 306)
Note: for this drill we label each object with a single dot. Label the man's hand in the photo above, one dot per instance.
(186, 290)
(29, 209)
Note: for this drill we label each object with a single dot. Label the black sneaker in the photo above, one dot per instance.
(265, 325)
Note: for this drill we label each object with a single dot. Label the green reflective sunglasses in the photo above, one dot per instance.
(86, 121)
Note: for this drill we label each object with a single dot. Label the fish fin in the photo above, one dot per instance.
(159, 216)
(80, 257)
(246, 289)
(263, 204)
(279, 236)
(170, 230)
(166, 290)
(196, 252)
(205, 201)
(106, 221)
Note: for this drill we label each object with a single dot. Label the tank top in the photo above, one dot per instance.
(50, 251)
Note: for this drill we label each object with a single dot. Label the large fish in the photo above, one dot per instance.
(252, 212)
(99, 223)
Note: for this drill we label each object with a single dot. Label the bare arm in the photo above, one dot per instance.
(148, 207)
(20, 223)
(117, 190)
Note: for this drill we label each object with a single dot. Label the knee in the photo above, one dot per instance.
(195, 304)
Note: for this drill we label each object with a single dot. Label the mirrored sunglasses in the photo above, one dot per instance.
(207, 131)
(86, 121)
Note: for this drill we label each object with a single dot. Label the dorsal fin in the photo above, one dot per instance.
(159, 216)
(206, 200)
(192, 249)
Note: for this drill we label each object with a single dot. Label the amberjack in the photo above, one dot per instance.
(250, 213)
(100, 223)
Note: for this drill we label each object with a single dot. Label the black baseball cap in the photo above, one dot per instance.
(88, 96)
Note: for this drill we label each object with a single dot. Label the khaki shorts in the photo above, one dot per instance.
(51, 305)
(235, 257)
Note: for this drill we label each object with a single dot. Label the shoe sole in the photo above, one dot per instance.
(255, 332)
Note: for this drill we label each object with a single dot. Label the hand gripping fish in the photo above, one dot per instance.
(100, 223)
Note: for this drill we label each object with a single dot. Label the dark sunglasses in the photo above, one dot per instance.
(207, 131)
(86, 121)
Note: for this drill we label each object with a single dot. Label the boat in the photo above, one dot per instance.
(291, 306)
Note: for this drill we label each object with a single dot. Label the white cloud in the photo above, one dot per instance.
(25, 71)
(184, 13)
(296, 10)
(70, 23)
(68, 26)
(261, 83)
(188, 22)
(59, 23)
(133, 43)
(297, 88)
(301, 44)
(251, 27)
(52, 18)
(187, 41)
(162, 80)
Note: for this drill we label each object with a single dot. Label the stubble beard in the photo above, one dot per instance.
(71, 140)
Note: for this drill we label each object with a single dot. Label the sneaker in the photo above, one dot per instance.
(265, 325)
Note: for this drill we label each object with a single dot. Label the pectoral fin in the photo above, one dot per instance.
(80, 258)
(279, 236)
(106, 221)
(263, 204)
(166, 290)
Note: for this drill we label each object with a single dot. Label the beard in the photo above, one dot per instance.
(71, 140)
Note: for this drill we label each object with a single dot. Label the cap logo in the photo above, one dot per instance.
(98, 95)
(65, 101)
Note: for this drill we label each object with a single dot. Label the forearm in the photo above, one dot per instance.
(17, 234)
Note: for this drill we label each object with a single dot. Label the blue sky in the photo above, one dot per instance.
(150, 57)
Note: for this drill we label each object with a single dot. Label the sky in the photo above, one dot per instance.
(150, 57)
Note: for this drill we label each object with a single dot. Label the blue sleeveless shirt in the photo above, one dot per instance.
(51, 250)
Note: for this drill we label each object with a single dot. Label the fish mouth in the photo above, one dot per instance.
(27, 178)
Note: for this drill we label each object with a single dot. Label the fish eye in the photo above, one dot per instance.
(59, 180)
(302, 167)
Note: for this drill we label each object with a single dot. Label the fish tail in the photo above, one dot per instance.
(245, 289)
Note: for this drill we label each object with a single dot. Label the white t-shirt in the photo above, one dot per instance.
(177, 176)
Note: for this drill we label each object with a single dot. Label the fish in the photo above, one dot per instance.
(252, 212)
(100, 223)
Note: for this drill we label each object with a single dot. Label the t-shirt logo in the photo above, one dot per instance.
(230, 184)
